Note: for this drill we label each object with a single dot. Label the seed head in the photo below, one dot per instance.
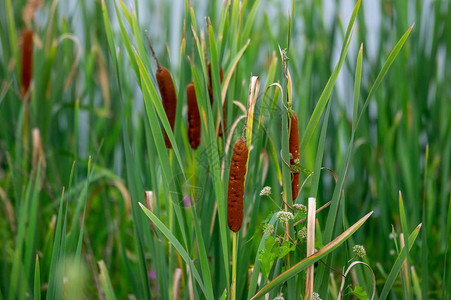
(359, 251)
(284, 216)
(266, 191)
(316, 296)
(302, 233)
(300, 207)
(279, 297)
(268, 229)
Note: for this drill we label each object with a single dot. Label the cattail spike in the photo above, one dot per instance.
(193, 117)
(236, 185)
(27, 62)
(294, 151)
(168, 97)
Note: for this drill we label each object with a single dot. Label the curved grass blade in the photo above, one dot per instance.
(384, 70)
(105, 282)
(324, 98)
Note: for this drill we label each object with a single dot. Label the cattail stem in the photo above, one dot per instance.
(233, 286)
(193, 180)
(311, 216)
(153, 52)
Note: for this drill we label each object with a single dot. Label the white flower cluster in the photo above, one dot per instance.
(266, 191)
(284, 216)
(316, 296)
(268, 229)
(279, 297)
(300, 207)
(359, 251)
(302, 233)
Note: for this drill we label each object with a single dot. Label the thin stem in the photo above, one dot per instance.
(233, 287)
(153, 52)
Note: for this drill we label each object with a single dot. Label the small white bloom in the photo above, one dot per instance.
(266, 191)
(359, 251)
(316, 296)
(302, 233)
(300, 207)
(291, 155)
(279, 297)
(268, 229)
(284, 216)
(297, 161)
(392, 252)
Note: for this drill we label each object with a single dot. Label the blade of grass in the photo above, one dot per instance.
(324, 98)
(37, 280)
(398, 264)
(105, 281)
(406, 283)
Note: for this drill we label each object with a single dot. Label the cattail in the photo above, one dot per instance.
(193, 117)
(168, 97)
(27, 61)
(236, 185)
(294, 151)
(167, 92)
(210, 94)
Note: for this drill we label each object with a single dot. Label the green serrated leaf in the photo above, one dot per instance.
(360, 293)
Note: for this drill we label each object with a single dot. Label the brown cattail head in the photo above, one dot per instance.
(294, 151)
(168, 97)
(193, 117)
(210, 94)
(236, 185)
(27, 62)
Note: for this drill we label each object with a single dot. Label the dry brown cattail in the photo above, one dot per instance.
(167, 92)
(294, 151)
(27, 61)
(210, 94)
(193, 117)
(236, 185)
(168, 97)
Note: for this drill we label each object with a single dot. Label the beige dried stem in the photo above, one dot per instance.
(148, 199)
(311, 215)
(38, 155)
(176, 284)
